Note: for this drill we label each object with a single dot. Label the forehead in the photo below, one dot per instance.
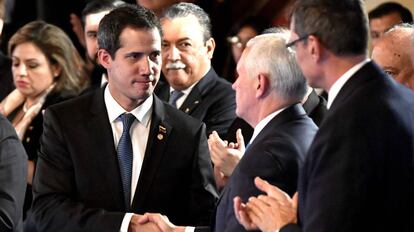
(27, 49)
(95, 18)
(182, 27)
(384, 22)
(390, 53)
(142, 39)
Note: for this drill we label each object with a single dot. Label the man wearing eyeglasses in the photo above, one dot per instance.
(359, 171)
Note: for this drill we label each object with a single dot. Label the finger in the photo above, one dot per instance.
(271, 190)
(240, 140)
(237, 206)
(241, 215)
(143, 219)
(295, 199)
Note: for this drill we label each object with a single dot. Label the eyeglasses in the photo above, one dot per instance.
(294, 42)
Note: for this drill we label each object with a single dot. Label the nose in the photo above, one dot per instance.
(234, 85)
(147, 66)
(20, 70)
(173, 53)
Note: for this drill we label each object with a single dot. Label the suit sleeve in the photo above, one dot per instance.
(13, 174)
(203, 189)
(55, 205)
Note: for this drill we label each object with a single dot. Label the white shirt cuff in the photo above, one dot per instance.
(125, 222)
(189, 229)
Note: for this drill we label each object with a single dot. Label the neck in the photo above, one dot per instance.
(336, 66)
(266, 107)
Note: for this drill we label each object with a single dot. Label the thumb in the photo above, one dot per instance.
(270, 190)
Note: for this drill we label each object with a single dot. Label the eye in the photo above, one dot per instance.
(91, 35)
(164, 45)
(185, 44)
(32, 65)
(155, 55)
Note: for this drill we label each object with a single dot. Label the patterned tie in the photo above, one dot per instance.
(175, 94)
(125, 157)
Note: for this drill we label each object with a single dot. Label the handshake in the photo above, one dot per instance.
(152, 222)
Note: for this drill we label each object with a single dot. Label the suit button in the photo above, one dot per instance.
(187, 110)
(28, 140)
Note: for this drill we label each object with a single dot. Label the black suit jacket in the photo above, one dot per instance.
(359, 172)
(78, 187)
(13, 175)
(212, 101)
(275, 155)
(314, 106)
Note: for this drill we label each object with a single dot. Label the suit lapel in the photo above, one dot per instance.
(368, 72)
(104, 148)
(154, 152)
(196, 95)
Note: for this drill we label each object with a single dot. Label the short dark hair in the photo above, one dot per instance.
(391, 7)
(128, 15)
(96, 6)
(185, 9)
(341, 26)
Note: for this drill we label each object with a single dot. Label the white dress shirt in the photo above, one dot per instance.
(139, 132)
(337, 86)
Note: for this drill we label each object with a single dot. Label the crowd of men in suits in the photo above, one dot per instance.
(142, 149)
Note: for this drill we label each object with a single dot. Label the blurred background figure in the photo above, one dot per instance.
(92, 15)
(46, 69)
(159, 5)
(393, 53)
(240, 34)
(6, 79)
(386, 15)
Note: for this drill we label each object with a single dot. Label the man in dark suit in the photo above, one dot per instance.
(13, 174)
(92, 173)
(191, 84)
(268, 97)
(359, 171)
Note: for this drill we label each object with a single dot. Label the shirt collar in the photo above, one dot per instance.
(142, 112)
(337, 86)
(187, 90)
(259, 127)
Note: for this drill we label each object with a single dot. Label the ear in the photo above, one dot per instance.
(56, 70)
(210, 45)
(315, 48)
(263, 85)
(104, 58)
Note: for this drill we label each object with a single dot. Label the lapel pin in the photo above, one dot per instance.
(187, 110)
(161, 132)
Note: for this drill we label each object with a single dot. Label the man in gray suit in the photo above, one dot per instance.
(13, 174)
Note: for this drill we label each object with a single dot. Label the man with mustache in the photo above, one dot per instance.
(191, 84)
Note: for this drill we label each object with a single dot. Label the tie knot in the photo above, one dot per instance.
(175, 94)
(127, 120)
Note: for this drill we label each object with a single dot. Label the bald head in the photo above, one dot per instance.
(394, 53)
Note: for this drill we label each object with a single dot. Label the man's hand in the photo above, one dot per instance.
(226, 155)
(136, 226)
(161, 221)
(267, 213)
(240, 210)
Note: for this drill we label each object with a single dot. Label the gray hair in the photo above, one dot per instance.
(184, 9)
(268, 55)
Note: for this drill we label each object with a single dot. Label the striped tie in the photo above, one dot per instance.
(175, 94)
(125, 156)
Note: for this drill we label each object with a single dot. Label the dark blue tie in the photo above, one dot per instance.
(175, 94)
(125, 156)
